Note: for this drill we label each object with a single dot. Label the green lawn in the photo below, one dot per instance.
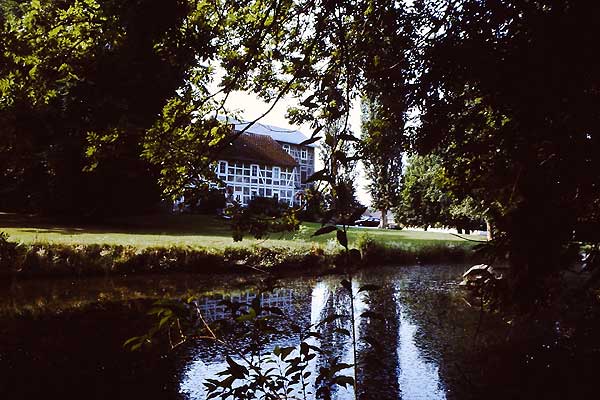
(193, 231)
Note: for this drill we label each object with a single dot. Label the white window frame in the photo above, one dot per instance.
(223, 164)
(276, 173)
(303, 154)
(287, 148)
(254, 168)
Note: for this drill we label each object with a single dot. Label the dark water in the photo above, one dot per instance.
(63, 338)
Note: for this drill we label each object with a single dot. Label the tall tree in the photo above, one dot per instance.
(508, 94)
(423, 201)
(338, 153)
(427, 200)
(382, 146)
(81, 71)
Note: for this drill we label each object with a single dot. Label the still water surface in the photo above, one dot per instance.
(62, 338)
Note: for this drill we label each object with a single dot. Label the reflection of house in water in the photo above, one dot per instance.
(400, 362)
(213, 308)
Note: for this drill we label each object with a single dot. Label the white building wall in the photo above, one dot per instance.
(253, 180)
(305, 157)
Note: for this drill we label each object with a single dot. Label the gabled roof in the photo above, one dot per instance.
(259, 149)
(279, 134)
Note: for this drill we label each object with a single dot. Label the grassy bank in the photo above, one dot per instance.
(193, 243)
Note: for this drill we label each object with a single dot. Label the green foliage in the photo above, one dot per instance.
(424, 200)
(48, 46)
(377, 253)
(427, 200)
(82, 78)
(185, 147)
(262, 216)
(511, 131)
(80, 81)
(8, 255)
(257, 369)
(382, 146)
(205, 202)
(37, 260)
(254, 368)
(313, 209)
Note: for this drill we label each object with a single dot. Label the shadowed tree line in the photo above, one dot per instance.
(72, 72)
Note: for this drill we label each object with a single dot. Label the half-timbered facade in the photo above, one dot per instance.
(266, 161)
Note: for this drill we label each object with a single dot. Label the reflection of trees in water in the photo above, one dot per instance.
(378, 358)
(452, 334)
(378, 338)
(536, 356)
(427, 347)
(332, 341)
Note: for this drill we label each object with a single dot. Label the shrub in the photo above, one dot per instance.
(262, 216)
(8, 255)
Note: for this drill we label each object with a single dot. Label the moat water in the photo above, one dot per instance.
(64, 338)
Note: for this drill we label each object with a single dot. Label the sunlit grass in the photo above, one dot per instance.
(195, 231)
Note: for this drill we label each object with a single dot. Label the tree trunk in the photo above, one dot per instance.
(383, 222)
(490, 232)
(459, 231)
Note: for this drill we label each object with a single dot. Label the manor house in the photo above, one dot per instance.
(266, 161)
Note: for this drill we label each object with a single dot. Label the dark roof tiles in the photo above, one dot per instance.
(259, 149)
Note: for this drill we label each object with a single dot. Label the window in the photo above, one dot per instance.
(222, 167)
(303, 154)
(276, 172)
(303, 176)
(254, 170)
(286, 147)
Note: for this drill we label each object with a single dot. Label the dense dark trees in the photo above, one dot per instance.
(508, 93)
(505, 93)
(86, 77)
